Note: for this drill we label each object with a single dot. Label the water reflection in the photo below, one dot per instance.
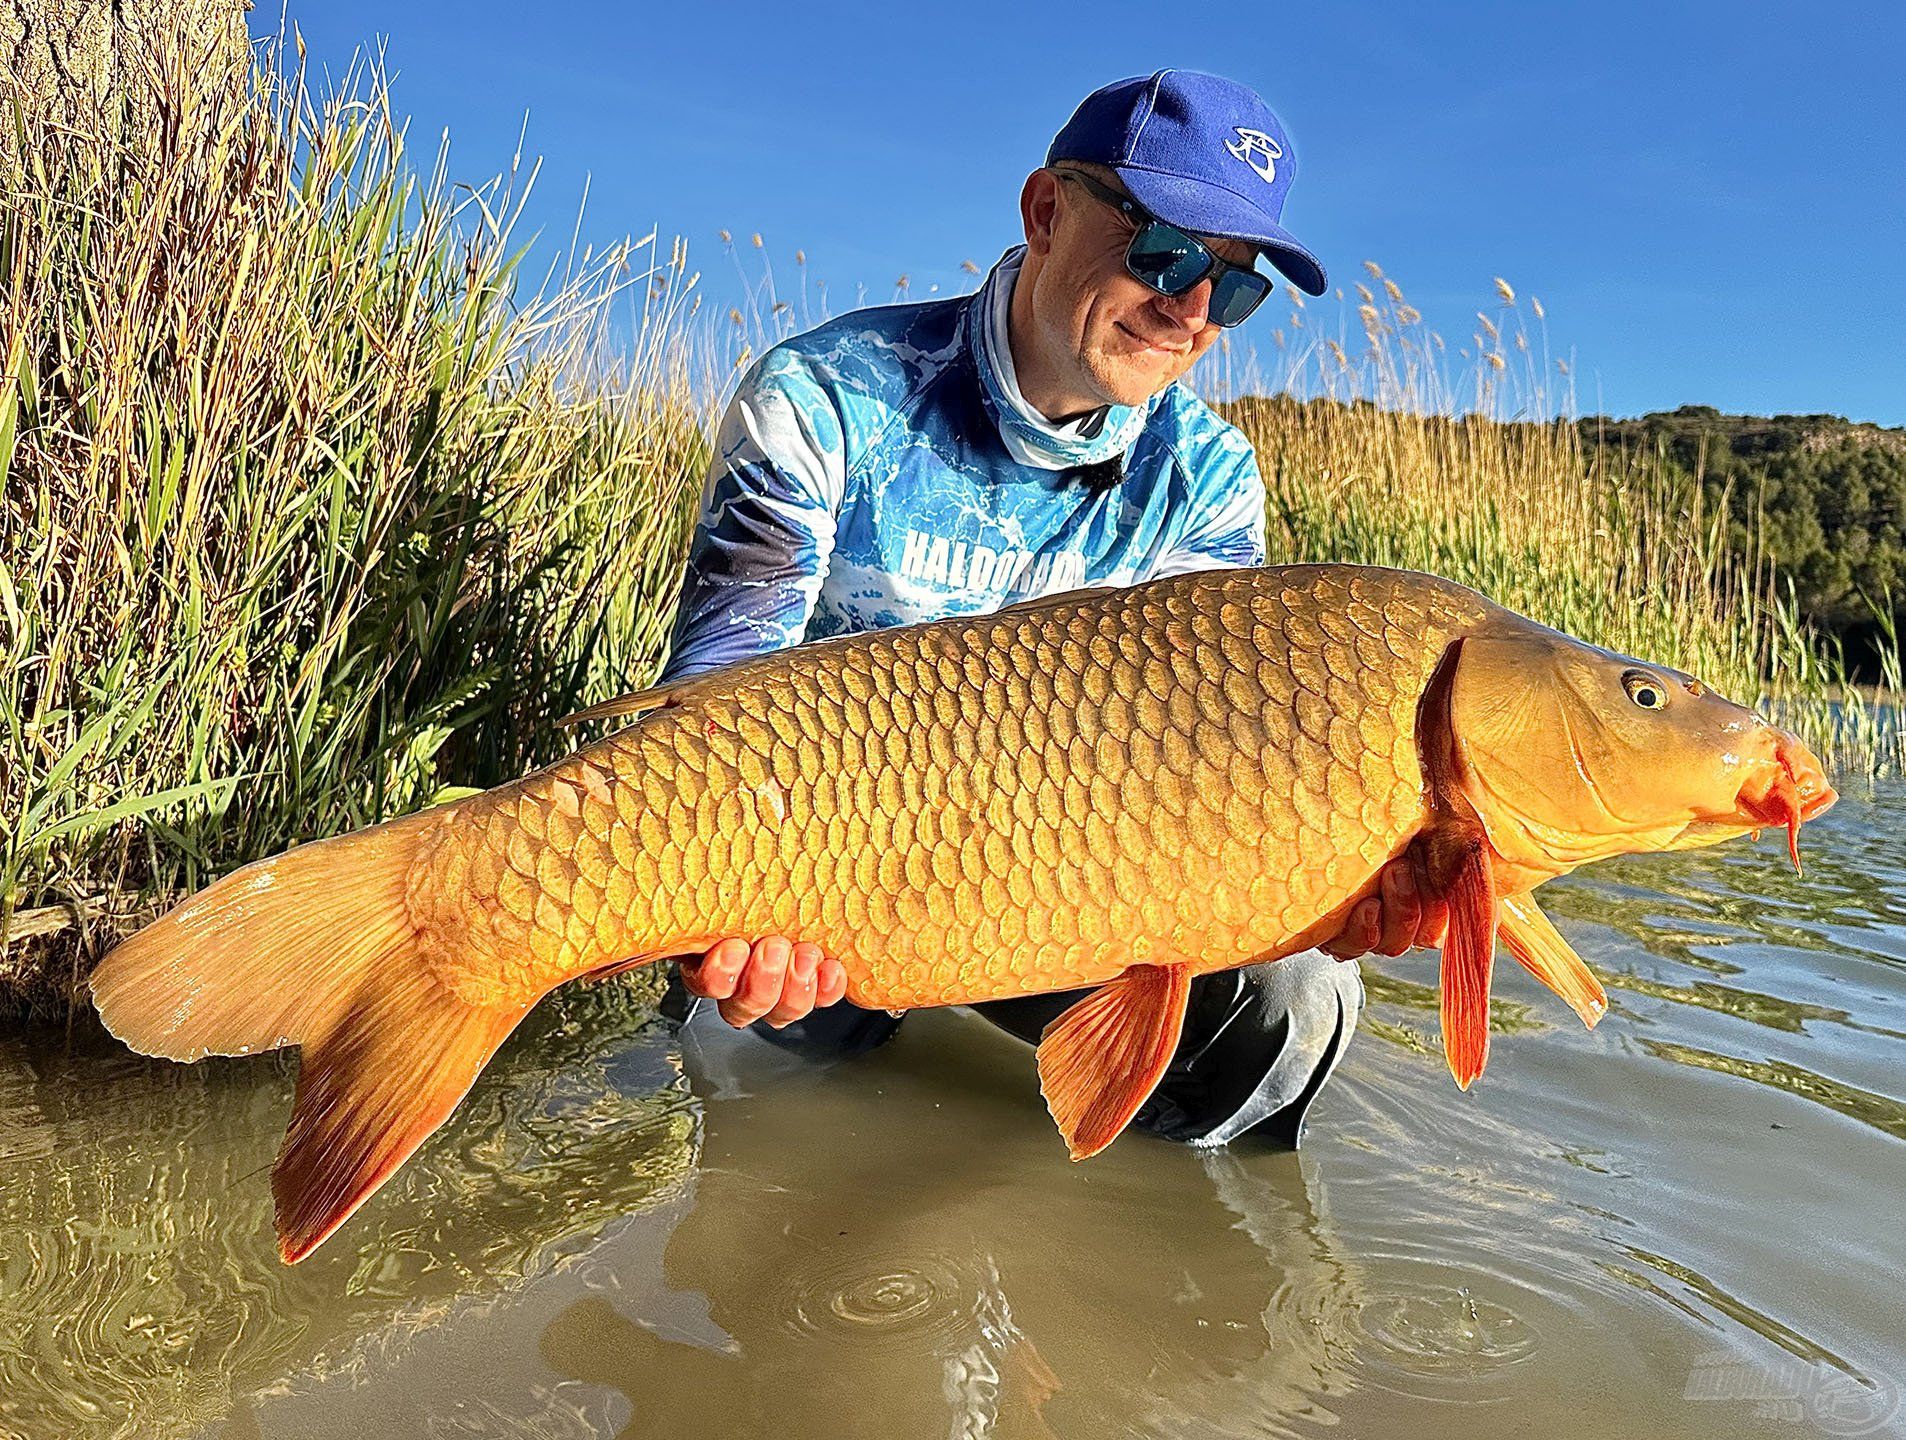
(1881, 1112)
(624, 1233)
(921, 1267)
(139, 1280)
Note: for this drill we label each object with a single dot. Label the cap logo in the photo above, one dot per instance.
(1257, 150)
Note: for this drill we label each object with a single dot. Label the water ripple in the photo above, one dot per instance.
(1440, 1332)
(140, 1289)
(920, 1303)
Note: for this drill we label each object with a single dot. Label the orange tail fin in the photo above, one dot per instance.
(314, 947)
(271, 955)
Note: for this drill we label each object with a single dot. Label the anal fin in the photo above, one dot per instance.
(1100, 1060)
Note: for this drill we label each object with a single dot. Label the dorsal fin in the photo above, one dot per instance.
(657, 697)
(1057, 597)
(633, 703)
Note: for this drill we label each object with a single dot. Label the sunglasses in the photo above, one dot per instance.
(1169, 261)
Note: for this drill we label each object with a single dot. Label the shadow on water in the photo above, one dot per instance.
(1677, 1223)
(913, 1265)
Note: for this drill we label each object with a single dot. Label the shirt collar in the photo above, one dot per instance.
(1030, 438)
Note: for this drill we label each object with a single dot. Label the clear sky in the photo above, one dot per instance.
(1709, 199)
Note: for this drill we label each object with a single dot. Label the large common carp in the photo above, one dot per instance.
(1120, 788)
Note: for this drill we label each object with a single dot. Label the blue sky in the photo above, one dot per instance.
(1710, 200)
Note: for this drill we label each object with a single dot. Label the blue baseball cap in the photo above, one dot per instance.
(1201, 152)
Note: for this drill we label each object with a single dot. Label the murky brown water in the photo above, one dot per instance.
(1686, 1223)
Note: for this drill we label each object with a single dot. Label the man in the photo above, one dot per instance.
(912, 462)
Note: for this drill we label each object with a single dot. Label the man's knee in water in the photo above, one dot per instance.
(1258, 1045)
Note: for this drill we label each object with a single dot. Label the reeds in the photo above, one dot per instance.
(314, 504)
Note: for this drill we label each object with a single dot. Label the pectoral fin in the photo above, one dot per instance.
(1533, 940)
(1469, 954)
(1099, 1060)
(1460, 861)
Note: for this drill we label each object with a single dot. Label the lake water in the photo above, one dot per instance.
(1685, 1223)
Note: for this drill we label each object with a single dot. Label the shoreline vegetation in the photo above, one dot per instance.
(323, 501)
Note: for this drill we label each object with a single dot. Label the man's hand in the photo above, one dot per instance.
(1402, 913)
(777, 980)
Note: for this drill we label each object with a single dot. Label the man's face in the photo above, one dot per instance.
(1125, 341)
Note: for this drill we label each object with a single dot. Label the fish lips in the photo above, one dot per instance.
(1784, 787)
(1787, 790)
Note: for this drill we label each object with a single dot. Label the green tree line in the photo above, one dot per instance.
(1815, 500)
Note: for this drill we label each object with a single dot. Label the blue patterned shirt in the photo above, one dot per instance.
(884, 469)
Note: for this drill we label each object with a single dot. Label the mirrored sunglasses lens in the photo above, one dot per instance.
(1166, 258)
(1236, 294)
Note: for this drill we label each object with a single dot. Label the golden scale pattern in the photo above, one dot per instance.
(1195, 770)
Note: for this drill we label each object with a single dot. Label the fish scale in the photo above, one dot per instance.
(1192, 772)
(1109, 788)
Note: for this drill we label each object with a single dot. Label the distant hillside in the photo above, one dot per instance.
(1831, 496)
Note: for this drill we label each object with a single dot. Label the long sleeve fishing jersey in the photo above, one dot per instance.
(884, 468)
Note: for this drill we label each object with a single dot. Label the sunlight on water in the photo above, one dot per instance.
(1680, 1223)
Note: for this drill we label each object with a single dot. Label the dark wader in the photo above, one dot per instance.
(1258, 1044)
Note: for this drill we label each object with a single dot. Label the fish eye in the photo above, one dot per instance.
(1645, 690)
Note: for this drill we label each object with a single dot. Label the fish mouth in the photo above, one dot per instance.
(1787, 789)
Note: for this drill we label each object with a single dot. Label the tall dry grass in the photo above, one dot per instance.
(315, 502)
(1384, 444)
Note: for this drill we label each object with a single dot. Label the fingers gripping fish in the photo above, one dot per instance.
(1111, 788)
